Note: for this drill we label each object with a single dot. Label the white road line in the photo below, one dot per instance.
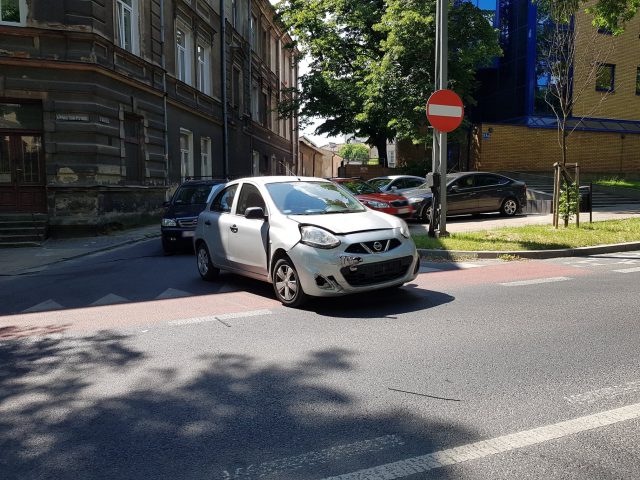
(628, 270)
(494, 446)
(327, 455)
(604, 393)
(218, 318)
(535, 281)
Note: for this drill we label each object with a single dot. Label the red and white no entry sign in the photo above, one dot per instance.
(445, 110)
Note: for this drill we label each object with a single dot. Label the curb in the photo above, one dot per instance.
(532, 254)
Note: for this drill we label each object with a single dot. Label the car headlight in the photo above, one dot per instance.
(375, 204)
(318, 237)
(169, 222)
(404, 229)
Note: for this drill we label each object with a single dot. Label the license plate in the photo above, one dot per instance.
(403, 210)
(188, 234)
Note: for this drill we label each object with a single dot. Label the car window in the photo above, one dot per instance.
(249, 197)
(192, 195)
(312, 198)
(488, 180)
(359, 187)
(414, 182)
(464, 182)
(224, 200)
(379, 183)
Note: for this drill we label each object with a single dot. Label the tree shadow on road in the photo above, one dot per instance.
(98, 408)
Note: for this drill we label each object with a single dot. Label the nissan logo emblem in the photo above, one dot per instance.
(377, 246)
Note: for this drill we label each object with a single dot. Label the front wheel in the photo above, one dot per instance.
(206, 269)
(425, 214)
(509, 207)
(286, 284)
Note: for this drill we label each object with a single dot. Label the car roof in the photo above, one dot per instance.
(393, 177)
(268, 179)
(202, 182)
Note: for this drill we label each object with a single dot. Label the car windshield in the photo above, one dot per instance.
(379, 183)
(192, 195)
(359, 187)
(312, 198)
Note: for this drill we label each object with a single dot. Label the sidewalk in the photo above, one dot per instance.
(16, 261)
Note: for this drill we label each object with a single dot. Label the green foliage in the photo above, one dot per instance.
(618, 182)
(354, 152)
(611, 15)
(371, 62)
(568, 202)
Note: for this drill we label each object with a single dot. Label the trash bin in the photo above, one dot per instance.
(585, 198)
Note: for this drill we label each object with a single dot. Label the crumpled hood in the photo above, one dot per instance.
(342, 223)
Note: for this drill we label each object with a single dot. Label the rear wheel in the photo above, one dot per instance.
(206, 269)
(509, 207)
(286, 283)
(425, 214)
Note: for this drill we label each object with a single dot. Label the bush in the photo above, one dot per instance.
(567, 208)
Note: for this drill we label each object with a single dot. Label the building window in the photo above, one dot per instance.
(236, 89)
(205, 157)
(255, 101)
(127, 24)
(204, 69)
(133, 149)
(263, 109)
(264, 40)
(605, 77)
(186, 155)
(638, 81)
(183, 54)
(234, 13)
(254, 33)
(13, 12)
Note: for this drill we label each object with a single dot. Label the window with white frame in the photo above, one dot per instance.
(184, 51)
(205, 157)
(127, 24)
(203, 54)
(186, 154)
(13, 12)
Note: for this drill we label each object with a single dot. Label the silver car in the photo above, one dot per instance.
(307, 236)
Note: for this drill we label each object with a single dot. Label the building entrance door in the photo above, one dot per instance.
(22, 176)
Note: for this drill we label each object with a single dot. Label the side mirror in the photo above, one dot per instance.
(254, 213)
(454, 188)
(394, 188)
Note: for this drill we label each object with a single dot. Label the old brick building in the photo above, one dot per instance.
(105, 106)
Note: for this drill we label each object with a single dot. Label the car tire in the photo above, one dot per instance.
(286, 283)
(509, 207)
(425, 214)
(206, 269)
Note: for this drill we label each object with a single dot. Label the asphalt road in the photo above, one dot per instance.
(476, 370)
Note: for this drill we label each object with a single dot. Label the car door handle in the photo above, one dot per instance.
(233, 228)
(207, 222)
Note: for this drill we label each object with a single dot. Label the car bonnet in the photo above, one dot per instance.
(344, 223)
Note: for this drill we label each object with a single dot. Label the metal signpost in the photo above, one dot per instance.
(445, 112)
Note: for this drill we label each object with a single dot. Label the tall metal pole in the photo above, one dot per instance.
(443, 81)
(435, 151)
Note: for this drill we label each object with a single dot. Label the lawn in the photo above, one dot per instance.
(537, 237)
(617, 182)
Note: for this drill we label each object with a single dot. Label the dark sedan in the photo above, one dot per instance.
(181, 213)
(473, 192)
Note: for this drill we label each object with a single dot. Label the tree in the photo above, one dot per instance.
(371, 63)
(354, 152)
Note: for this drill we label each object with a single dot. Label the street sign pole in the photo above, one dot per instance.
(442, 16)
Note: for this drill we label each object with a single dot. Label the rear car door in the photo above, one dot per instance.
(491, 190)
(216, 223)
(247, 238)
(461, 196)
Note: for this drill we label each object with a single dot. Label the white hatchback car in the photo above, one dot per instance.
(307, 236)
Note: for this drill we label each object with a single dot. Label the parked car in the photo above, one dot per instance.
(396, 183)
(306, 236)
(473, 192)
(373, 198)
(181, 213)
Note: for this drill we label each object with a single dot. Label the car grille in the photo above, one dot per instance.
(188, 222)
(380, 272)
(399, 203)
(370, 247)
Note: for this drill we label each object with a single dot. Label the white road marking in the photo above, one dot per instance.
(218, 318)
(494, 446)
(445, 110)
(628, 270)
(44, 306)
(535, 281)
(604, 393)
(627, 262)
(319, 457)
(110, 299)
